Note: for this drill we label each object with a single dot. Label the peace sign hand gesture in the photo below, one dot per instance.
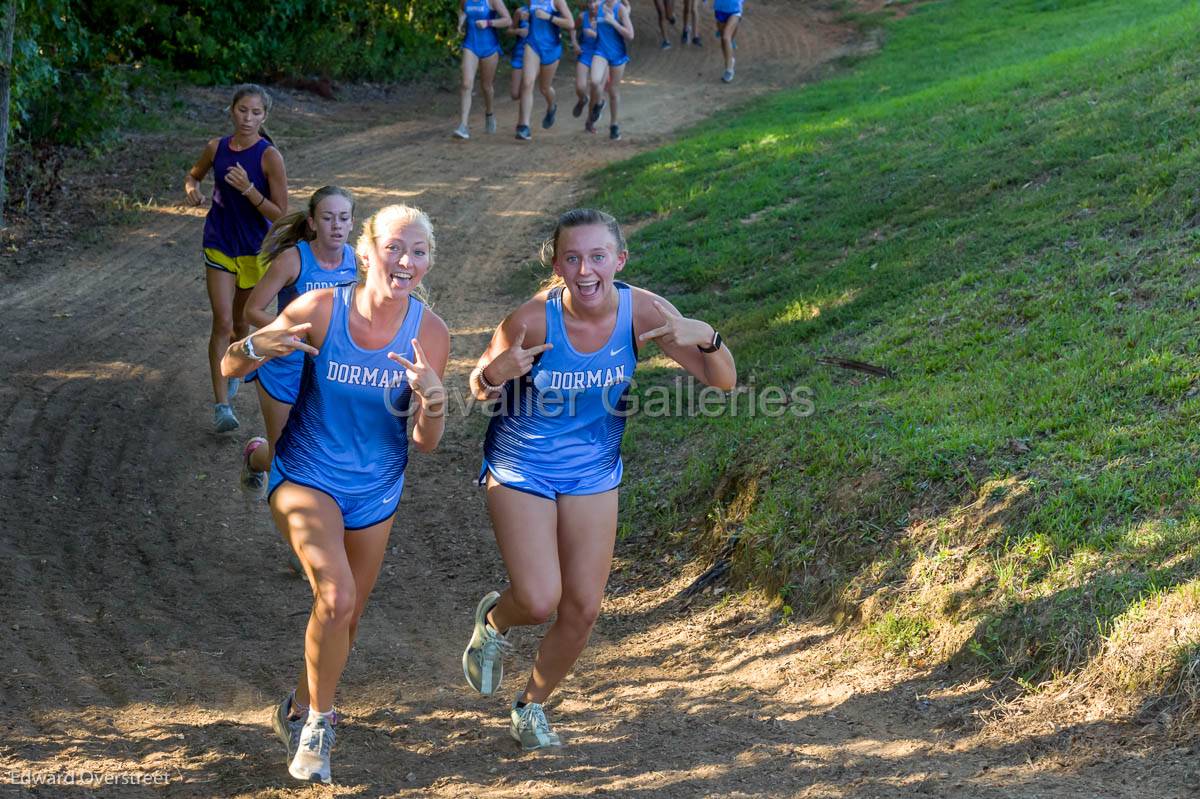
(272, 343)
(421, 376)
(515, 361)
(678, 330)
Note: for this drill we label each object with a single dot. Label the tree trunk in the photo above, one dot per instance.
(6, 57)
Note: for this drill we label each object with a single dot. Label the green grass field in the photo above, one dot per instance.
(1002, 208)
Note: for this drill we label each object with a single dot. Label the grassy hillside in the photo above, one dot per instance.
(1001, 207)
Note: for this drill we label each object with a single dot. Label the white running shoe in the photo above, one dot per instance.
(287, 728)
(311, 761)
(483, 659)
(530, 728)
(462, 132)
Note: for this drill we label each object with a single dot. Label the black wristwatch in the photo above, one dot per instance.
(716, 343)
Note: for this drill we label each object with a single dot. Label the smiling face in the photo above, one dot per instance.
(587, 259)
(332, 221)
(399, 259)
(249, 112)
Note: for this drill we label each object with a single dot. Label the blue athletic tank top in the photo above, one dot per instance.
(347, 434)
(543, 33)
(517, 57)
(565, 418)
(728, 6)
(587, 44)
(611, 44)
(476, 40)
(313, 276)
(233, 225)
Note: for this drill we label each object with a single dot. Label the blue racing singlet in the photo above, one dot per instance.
(233, 225)
(281, 376)
(518, 51)
(544, 36)
(565, 418)
(347, 434)
(611, 44)
(587, 44)
(314, 276)
(483, 43)
(727, 6)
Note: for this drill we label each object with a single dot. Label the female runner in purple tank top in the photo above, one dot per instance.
(324, 230)
(559, 365)
(249, 193)
(374, 358)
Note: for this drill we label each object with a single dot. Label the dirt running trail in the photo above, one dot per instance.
(150, 619)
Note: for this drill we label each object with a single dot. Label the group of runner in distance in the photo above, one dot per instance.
(348, 358)
(599, 37)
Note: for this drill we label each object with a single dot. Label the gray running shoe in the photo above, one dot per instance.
(489, 123)
(727, 77)
(232, 385)
(530, 729)
(462, 132)
(483, 659)
(223, 418)
(311, 761)
(253, 481)
(288, 729)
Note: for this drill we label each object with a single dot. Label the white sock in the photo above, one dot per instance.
(315, 715)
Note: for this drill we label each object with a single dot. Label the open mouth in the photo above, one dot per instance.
(588, 288)
(401, 278)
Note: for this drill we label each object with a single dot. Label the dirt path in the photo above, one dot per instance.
(150, 618)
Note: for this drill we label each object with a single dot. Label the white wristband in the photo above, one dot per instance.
(248, 349)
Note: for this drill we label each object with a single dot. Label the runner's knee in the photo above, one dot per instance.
(537, 604)
(335, 604)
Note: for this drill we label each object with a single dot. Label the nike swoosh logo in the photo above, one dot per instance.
(616, 352)
(390, 499)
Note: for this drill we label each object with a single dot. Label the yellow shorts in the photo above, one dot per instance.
(248, 269)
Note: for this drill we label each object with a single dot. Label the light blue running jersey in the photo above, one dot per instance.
(610, 44)
(347, 434)
(587, 44)
(483, 43)
(280, 377)
(544, 36)
(564, 420)
(313, 276)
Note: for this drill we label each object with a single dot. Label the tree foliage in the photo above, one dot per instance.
(73, 60)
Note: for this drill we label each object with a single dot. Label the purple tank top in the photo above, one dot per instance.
(233, 225)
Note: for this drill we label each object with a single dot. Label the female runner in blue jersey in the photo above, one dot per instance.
(480, 53)
(560, 366)
(583, 43)
(729, 16)
(249, 193)
(543, 50)
(374, 356)
(303, 252)
(614, 31)
(519, 29)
